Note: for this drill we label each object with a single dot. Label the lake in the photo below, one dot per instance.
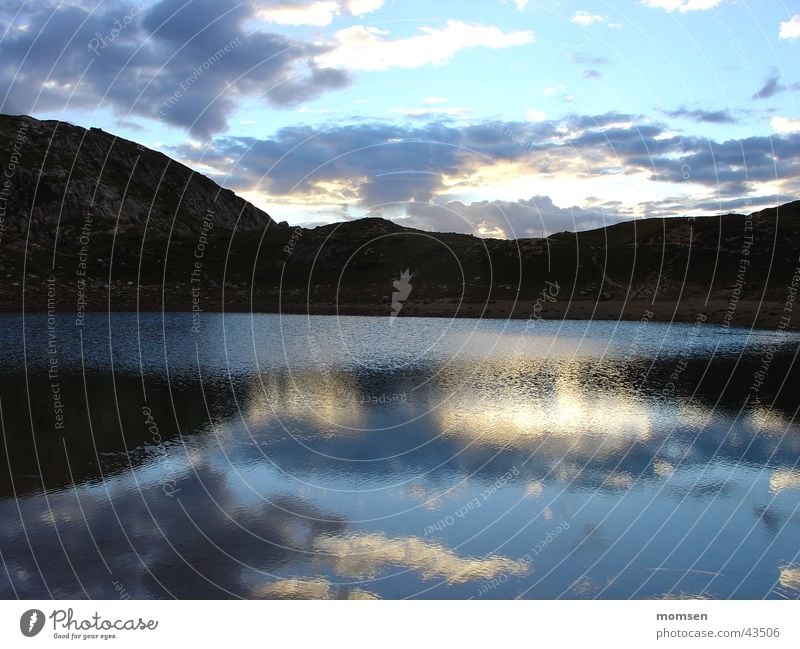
(266, 456)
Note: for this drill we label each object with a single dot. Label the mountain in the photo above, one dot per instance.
(91, 221)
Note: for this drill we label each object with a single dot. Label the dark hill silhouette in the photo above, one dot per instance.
(160, 236)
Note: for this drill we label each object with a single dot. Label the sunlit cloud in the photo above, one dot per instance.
(790, 29)
(785, 124)
(361, 7)
(372, 49)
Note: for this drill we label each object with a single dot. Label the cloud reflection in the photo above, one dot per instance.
(603, 420)
(790, 577)
(783, 480)
(317, 588)
(364, 556)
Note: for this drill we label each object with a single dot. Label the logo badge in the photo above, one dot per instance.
(31, 622)
(402, 290)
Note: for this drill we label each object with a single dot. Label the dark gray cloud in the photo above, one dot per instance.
(589, 63)
(584, 59)
(389, 163)
(732, 167)
(186, 62)
(702, 116)
(771, 87)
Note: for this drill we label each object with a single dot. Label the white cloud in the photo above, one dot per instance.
(585, 18)
(791, 28)
(521, 4)
(552, 90)
(319, 13)
(535, 116)
(681, 5)
(785, 125)
(430, 101)
(615, 25)
(369, 48)
(361, 7)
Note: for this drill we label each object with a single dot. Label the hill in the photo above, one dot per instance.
(95, 222)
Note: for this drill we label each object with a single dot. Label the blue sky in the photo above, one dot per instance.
(494, 118)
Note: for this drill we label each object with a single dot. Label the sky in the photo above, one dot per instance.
(496, 118)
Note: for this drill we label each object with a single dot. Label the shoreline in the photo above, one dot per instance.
(748, 315)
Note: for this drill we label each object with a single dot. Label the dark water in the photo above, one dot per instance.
(281, 456)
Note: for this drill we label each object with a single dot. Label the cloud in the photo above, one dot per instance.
(193, 64)
(785, 124)
(747, 204)
(318, 13)
(681, 6)
(361, 7)
(186, 64)
(433, 171)
(533, 217)
(772, 86)
(520, 4)
(585, 18)
(550, 91)
(702, 116)
(731, 168)
(790, 29)
(370, 48)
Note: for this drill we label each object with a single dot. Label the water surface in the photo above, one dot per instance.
(286, 456)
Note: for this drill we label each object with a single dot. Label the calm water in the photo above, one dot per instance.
(285, 456)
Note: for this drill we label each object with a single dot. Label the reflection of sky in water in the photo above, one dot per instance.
(374, 457)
